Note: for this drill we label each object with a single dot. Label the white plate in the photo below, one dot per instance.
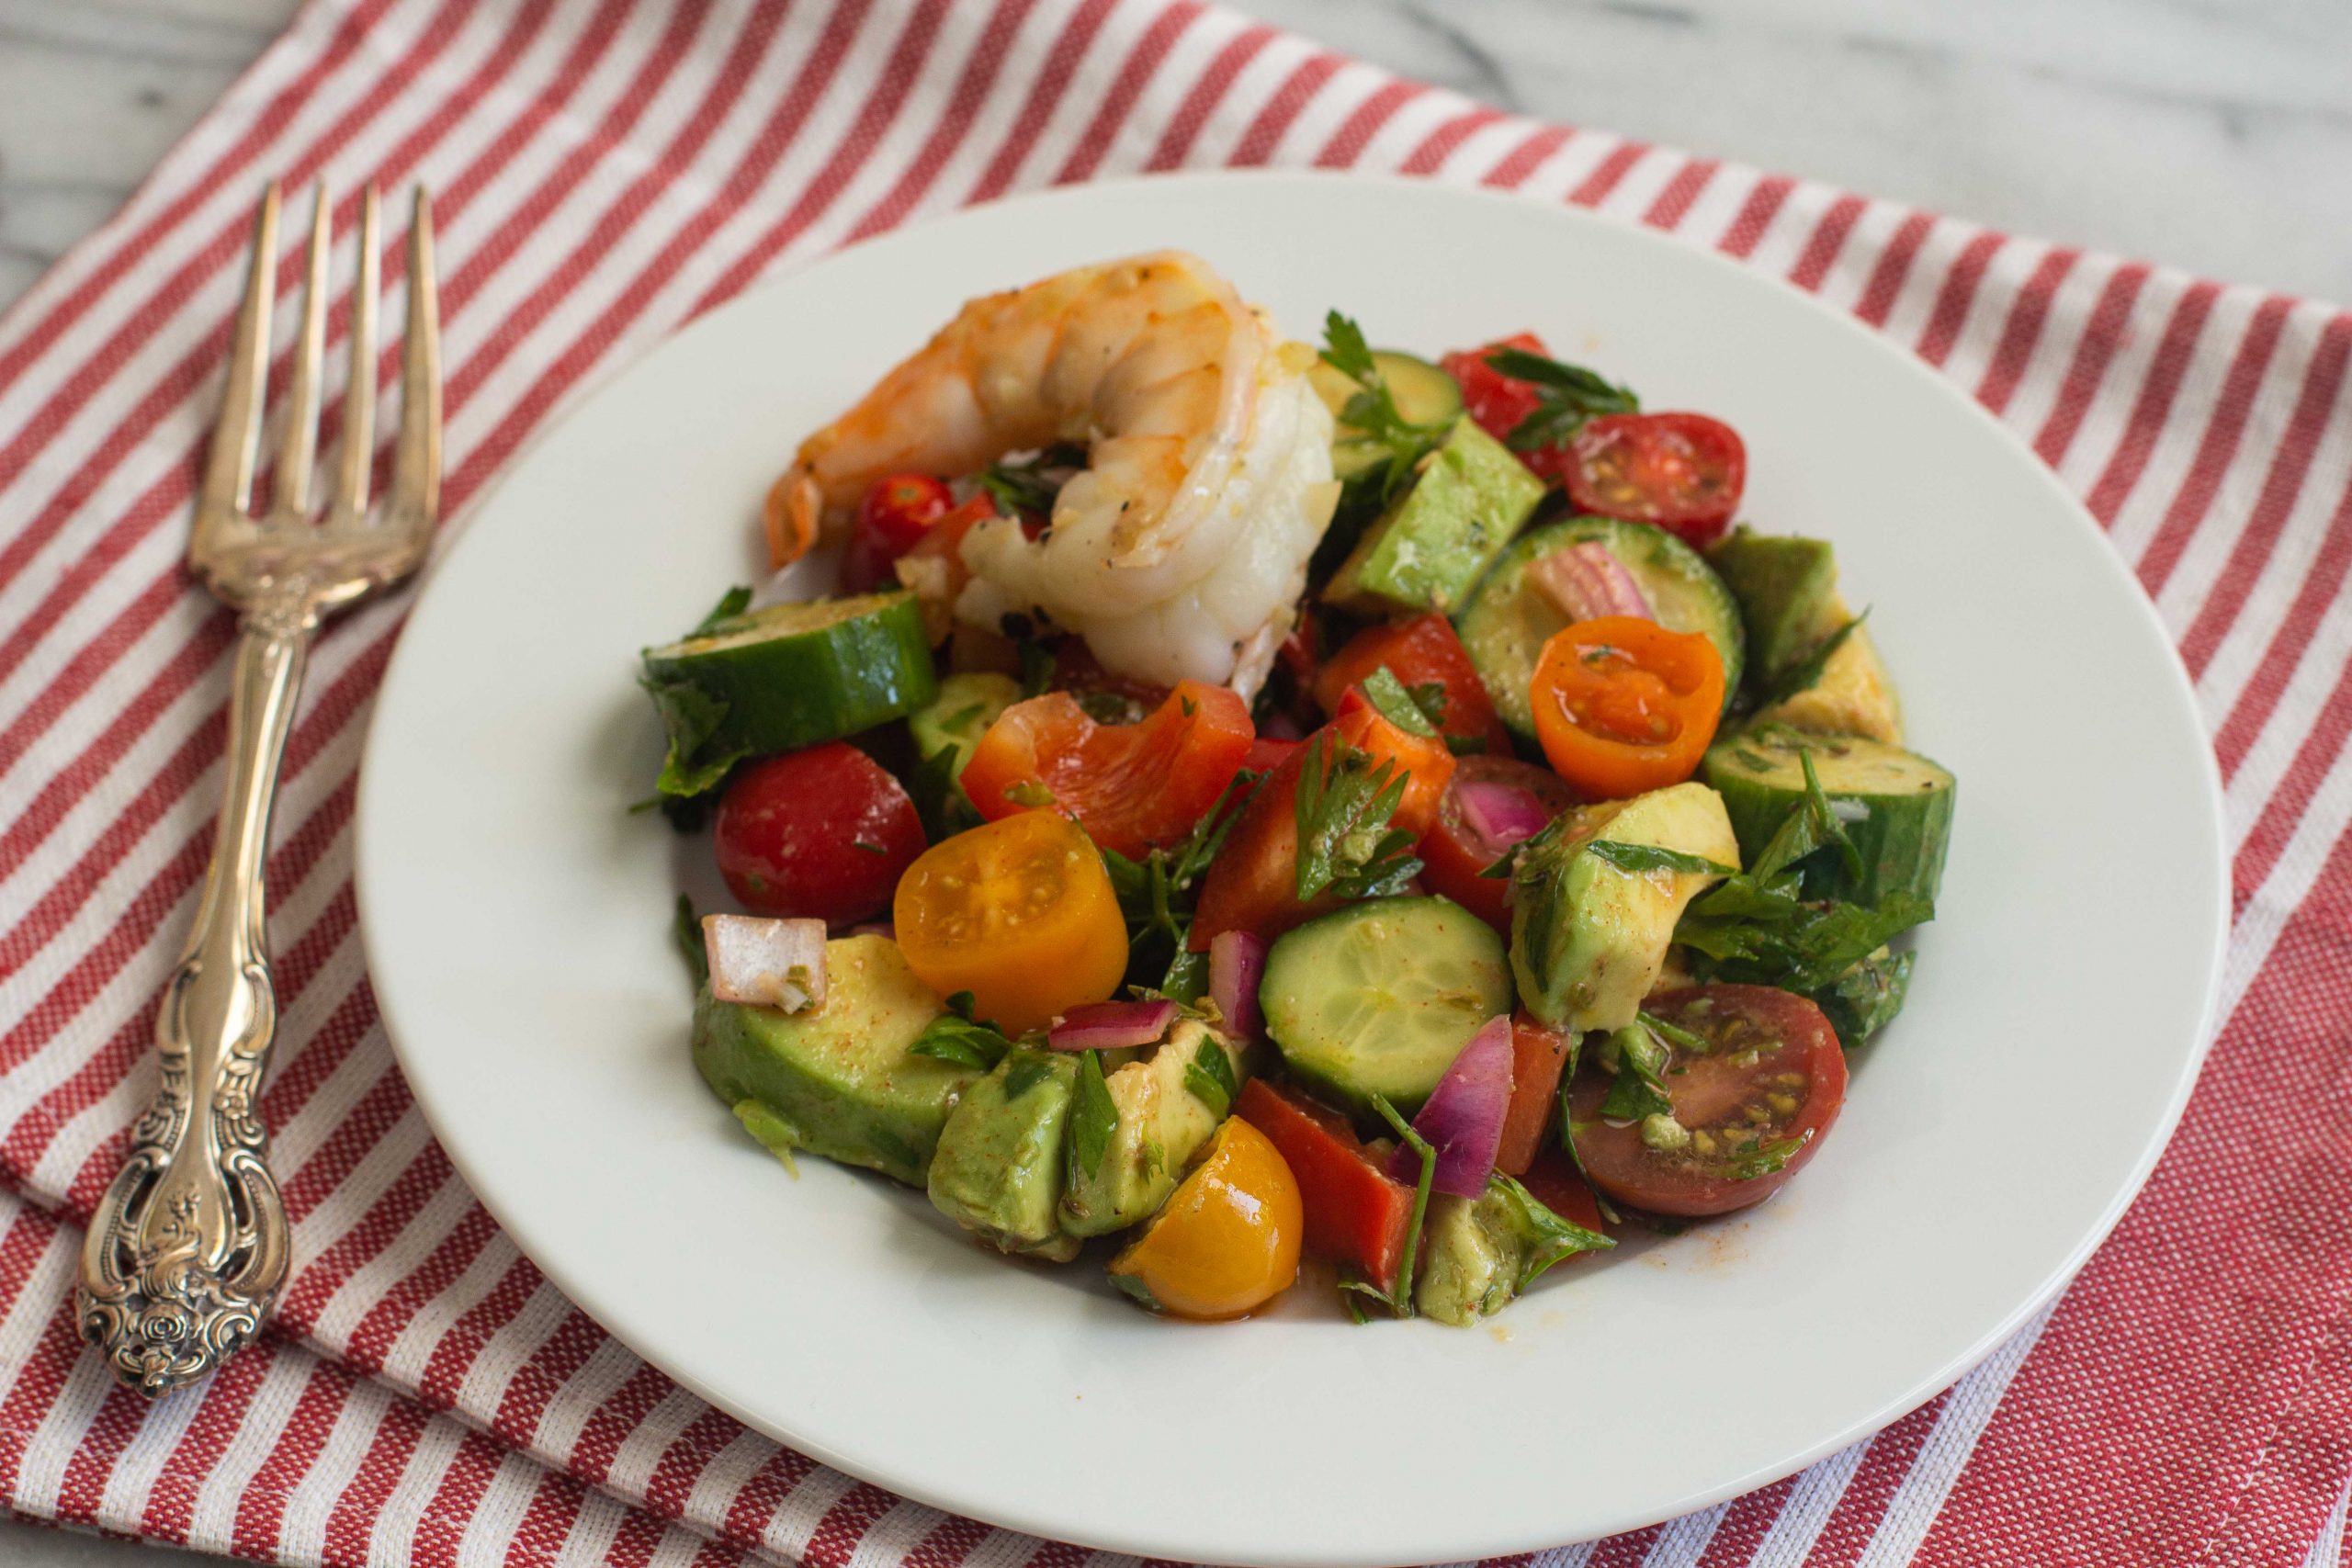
(516, 927)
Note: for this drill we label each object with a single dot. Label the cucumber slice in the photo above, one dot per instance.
(1423, 394)
(1380, 997)
(1508, 619)
(1896, 805)
(784, 677)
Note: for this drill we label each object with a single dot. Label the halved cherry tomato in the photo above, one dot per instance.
(1227, 1241)
(1682, 472)
(1357, 1214)
(1130, 786)
(1496, 401)
(1422, 650)
(1748, 1111)
(896, 515)
(1021, 914)
(822, 833)
(1553, 1180)
(1426, 760)
(1537, 1054)
(1624, 705)
(1456, 855)
(1253, 885)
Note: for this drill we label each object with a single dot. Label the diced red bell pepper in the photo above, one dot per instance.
(1421, 650)
(1356, 1215)
(1537, 1054)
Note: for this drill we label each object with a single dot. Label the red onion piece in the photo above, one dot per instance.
(1587, 582)
(1464, 1118)
(1111, 1026)
(764, 962)
(1237, 959)
(1501, 814)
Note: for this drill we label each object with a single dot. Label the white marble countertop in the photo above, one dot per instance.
(2213, 134)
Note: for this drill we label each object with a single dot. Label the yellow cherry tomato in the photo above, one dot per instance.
(1227, 1240)
(1021, 914)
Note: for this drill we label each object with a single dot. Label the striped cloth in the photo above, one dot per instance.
(604, 170)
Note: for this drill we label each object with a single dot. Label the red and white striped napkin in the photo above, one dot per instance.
(605, 169)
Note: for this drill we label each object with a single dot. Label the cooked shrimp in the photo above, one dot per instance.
(1177, 552)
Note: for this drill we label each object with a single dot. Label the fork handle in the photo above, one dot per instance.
(189, 1245)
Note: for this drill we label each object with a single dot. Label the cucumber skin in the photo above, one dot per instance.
(1330, 1081)
(819, 685)
(1903, 841)
(1502, 668)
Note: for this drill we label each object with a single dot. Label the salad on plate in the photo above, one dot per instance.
(1242, 801)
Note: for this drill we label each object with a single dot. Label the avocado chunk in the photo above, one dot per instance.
(1787, 589)
(1426, 552)
(838, 1081)
(1162, 1122)
(998, 1169)
(1588, 934)
(1478, 1255)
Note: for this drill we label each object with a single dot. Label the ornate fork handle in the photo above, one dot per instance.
(188, 1247)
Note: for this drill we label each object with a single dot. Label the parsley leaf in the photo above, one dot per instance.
(1400, 1301)
(1398, 704)
(1373, 419)
(731, 603)
(1029, 1070)
(1567, 395)
(955, 1036)
(1640, 1086)
(1550, 1240)
(1155, 897)
(1674, 1034)
(1650, 857)
(1093, 1116)
(1805, 673)
(1023, 488)
(1036, 668)
(690, 717)
(686, 932)
(1344, 842)
(1764, 1158)
(939, 799)
(1209, 1075)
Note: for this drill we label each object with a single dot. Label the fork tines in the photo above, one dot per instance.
(413, 503)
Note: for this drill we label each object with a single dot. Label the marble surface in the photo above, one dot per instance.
(2213, 134)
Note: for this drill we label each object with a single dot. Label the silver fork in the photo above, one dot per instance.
(188, 1247)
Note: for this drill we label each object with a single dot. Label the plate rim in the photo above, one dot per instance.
(2179, 691)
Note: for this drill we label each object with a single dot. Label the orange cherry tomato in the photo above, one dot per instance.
(1021, 914)
(1624, 705)
(1227, 1240)
(1129, 785)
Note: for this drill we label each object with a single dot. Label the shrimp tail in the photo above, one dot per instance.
(795, 510)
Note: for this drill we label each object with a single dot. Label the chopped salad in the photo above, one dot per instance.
(1245, 800)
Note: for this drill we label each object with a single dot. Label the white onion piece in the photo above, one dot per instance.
(763, 962)
(1587, 582)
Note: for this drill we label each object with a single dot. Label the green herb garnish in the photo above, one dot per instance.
(1399, 1301)
(1093, 1116)
(1766, 1159)
(1370, 414)
(1805, 673)
(1345, 844)
(1650, 857)
(1639, 1088)
(1023, 488)
(1398, 704)
(1676, 1035)
(1567, 395)
(957, 1036)
(1209, 1075)
(1553, 1238)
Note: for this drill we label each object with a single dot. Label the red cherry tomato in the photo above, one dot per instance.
(1454, 854)
(823, 833)
(1129, 785)
(1268, 753)
(1682, 472)
(1419, 651)
(1755, 1105)
(1496, 401)
(895, 516)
